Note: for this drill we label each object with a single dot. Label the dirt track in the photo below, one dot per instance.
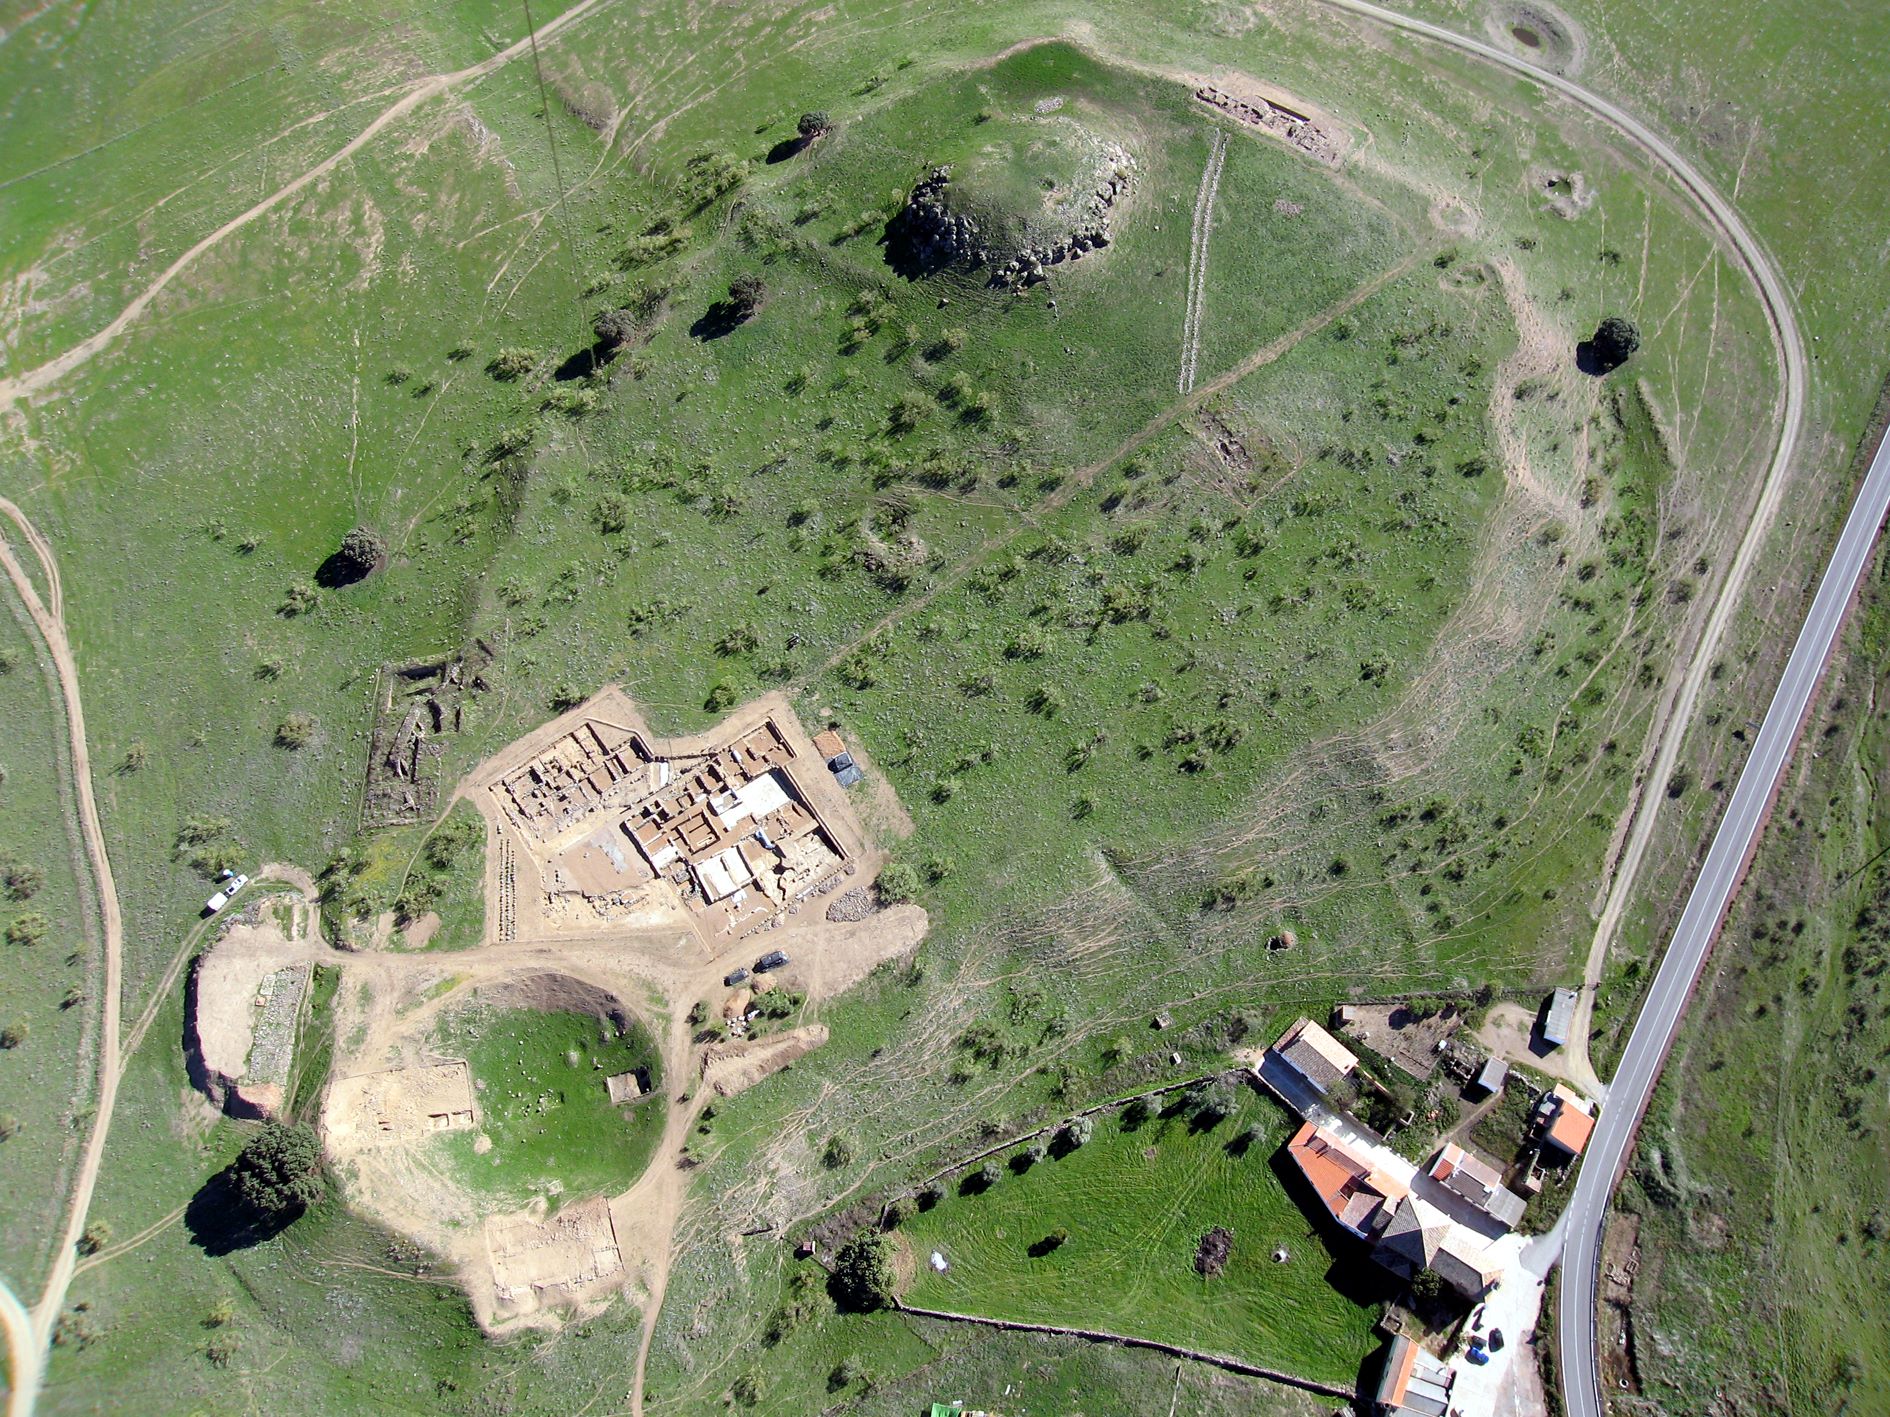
(50, 621)
(417, 92)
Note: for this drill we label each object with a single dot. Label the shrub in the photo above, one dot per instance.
(295, 731)
(28, 929)
(512, 363)
(279, 1172)
(813, 125)
(1079, 1132)
(721, 697)
(22, 879)
(9, 1126)
(96, 1237)
(13, 1034)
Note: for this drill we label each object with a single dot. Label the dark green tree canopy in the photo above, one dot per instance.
(359, 556)
(745, 294)
(279, 1173)
(863, 1273)
(1614, 343)
(813, 124)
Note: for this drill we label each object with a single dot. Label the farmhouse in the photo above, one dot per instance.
(1356, 1194)
(1406, 1232)
(1315, 1055)
(1476, 1181)
(1568, 1122)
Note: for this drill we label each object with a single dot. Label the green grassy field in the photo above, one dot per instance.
(50, 939)
(1135, 1203)
(1759, 1179)
(1144, 702)
(540, 1084)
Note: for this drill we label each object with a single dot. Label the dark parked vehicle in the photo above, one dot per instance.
(1496, 1339)
(733, 979)
(773, 959)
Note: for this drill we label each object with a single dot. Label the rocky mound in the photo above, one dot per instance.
(1034, 193)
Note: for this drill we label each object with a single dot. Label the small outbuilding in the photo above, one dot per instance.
(1559, 1019)
(1491, 1076)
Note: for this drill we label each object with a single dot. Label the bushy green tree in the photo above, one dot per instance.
(863, 1273)
(1614, 343)
(278, 1173)
(360, 554)
(898, 881)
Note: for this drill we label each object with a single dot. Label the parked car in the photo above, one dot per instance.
(1496, 1339)
(773, 959)
(1477, 1356)
(734, 978)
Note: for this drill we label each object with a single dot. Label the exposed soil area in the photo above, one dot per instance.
(728, 1068)
(1215, 1249)
(242, 1005)
(647, 959)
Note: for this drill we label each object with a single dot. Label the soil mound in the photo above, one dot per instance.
(1212, 1254)
(729, 1067)
(555, 994)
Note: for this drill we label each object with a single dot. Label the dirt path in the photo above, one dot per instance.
(1130, 445)
(1198, 235)
(37, 380)
(51, 626)
(23, 1355)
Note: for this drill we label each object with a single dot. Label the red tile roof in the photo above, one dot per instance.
(1570, 1128)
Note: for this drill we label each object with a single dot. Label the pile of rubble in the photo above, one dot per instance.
(852, 907)
(929, 235)
(1282, 122)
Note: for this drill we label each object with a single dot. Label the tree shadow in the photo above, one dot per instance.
(339, 571)
(220, 1222)
(585, 362)
(1050, 1244)
(719, 320)
(1589, 360)
(788, 148)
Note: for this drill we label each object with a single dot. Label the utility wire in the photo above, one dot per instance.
(551, 137)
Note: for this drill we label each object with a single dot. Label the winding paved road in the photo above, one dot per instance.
(1719, 877)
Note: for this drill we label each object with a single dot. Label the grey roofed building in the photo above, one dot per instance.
(1471, 1178)
(1561, 1017)
(1407, 1237)
(1492, 1076)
